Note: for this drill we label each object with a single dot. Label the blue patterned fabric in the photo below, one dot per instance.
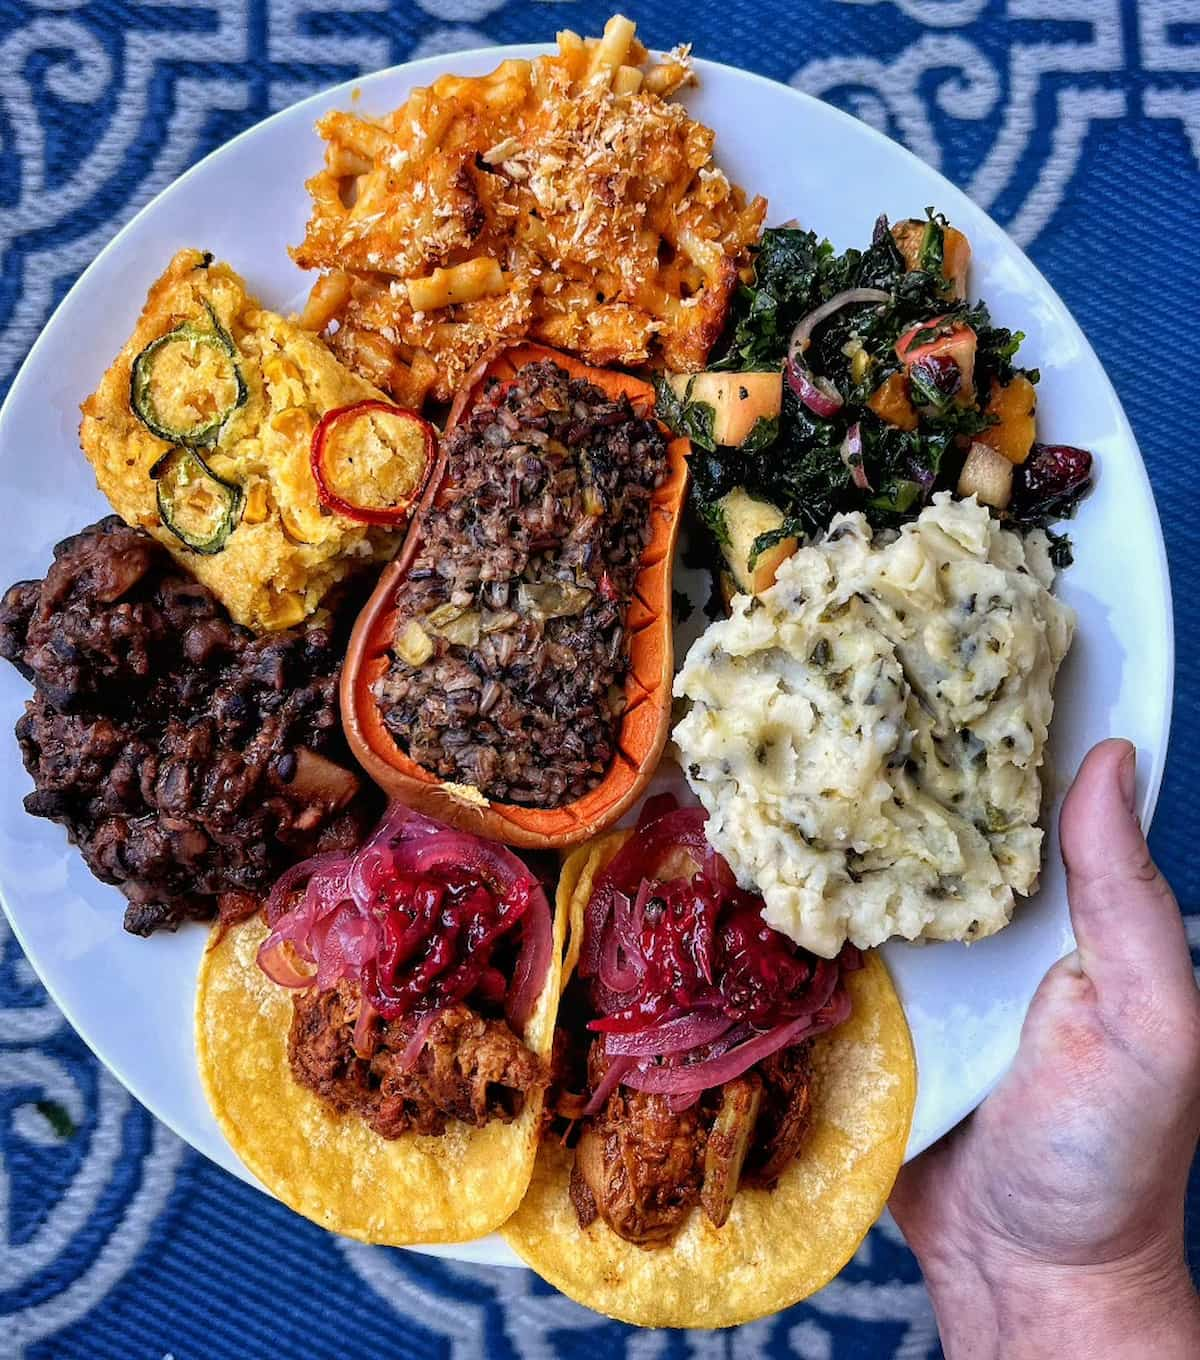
(1075, 122)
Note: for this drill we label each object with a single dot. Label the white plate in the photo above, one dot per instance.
(131, 999)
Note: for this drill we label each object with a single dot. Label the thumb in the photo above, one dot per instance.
(1126, 921)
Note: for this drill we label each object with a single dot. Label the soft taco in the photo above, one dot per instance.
(732, 1110)
(376, 1050)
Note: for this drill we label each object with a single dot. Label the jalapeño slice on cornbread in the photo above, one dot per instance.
(198, 507)
(201, 434)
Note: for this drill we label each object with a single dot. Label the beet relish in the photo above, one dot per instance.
(419, 917)
(658, 947)
(440, 931)
(765, 977)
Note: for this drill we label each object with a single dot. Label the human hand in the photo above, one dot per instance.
(1051, 1221)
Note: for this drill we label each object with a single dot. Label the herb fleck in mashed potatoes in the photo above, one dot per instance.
(866, 734)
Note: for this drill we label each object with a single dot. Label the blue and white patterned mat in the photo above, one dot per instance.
(1075, 122)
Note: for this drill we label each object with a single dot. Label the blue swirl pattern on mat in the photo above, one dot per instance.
(1075, 122)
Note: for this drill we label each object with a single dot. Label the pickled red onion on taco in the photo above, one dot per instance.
(731, 1110)
(376, 1050)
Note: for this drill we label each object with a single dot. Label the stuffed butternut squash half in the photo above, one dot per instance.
(511, 673)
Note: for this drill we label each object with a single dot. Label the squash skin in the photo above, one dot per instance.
(649, 627)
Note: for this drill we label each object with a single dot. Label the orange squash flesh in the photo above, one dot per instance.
(890, 401)
(649, 630)
(1015, 408)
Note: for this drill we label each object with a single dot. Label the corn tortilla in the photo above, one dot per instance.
(778, 1246)
(575, 890)
(331, 1167)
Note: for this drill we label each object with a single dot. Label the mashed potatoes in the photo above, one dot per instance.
(866, 734)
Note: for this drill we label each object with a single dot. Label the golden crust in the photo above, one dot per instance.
(286, 551)
(614, 235)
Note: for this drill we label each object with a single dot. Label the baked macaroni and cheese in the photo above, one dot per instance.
(565, 199)
(201, 433)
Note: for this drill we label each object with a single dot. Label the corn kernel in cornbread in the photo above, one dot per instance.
(286, 548)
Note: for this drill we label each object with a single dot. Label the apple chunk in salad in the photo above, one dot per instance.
(864, 382)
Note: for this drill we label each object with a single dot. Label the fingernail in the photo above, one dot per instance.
(1127, 778)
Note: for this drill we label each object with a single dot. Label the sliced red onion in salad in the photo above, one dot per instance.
(414, 917)
(820, 395)
(851, 297)
(852, 456)
(690, 985)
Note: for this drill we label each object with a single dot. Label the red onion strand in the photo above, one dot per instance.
(685, 1078)
(617, 1068)
(412, 1050)
(349, 924)
(690, 986)
(672, 1036)
(852, 297)
(820, 395)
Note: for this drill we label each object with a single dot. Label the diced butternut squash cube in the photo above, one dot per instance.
(738, 400)
(908, 236)
(890, 401)
(956, 341)
(1015, 406)
(745, 519)
(988, 476)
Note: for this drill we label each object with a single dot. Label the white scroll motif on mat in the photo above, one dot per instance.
(945, 78)
(106, 1172)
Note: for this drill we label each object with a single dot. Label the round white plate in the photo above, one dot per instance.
(131, 999)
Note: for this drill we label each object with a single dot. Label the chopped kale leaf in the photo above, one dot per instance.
(694, 419)
(796, 461)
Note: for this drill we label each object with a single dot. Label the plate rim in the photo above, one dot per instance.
(354, 91)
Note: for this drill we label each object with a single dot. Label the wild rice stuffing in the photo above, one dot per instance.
(509, 655)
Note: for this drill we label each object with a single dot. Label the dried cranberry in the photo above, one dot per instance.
(936, 375)
(1051, 478)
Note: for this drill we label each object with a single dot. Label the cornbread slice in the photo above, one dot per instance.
(286, 549)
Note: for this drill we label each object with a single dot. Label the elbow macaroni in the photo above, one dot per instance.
(565, 199)
(462, 283)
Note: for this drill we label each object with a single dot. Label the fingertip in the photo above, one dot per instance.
(1123, 912)
(1105, 786)
(1127, 773)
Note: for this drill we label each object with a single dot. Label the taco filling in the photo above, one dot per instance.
(414, 964)
(696, 1071)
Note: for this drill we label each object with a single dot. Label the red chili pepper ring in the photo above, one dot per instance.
(370, 460)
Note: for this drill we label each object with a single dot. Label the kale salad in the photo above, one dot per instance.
(863, 381)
